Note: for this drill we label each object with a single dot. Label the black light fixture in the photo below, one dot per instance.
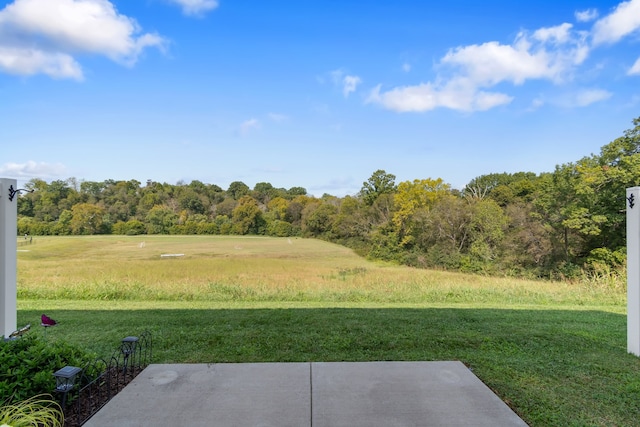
(66, 380)
(13, 192)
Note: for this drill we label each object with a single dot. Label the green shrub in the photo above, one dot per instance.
(281, 228)
(27, 365)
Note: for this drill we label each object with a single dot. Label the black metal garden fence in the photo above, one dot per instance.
(102, 379)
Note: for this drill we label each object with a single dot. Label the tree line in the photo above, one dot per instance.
(556, 224)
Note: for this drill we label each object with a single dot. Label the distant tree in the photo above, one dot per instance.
(49, 199)
(293, 214)
(224, 224)
(93, 190)
(297, 191)
(281, 228)
(247, 217)
(119, 211)
(62, 227)
(411, 197)
(86, 219)
(263, 192)
(317, 218)
(518, 184)
(25, 205)
(191, 201)
(528, 243)
(351, 221)
(148, 201)
(277, 208)
(160, 219)
(378, 184)
(135, 227)
(225, 207)
(445, 226)
(198, 186)
(380, 213)
(295, 209)
(237, 189)
(486, 231)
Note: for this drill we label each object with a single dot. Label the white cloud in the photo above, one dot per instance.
(455, 95)
(588, 97)
(406, 67)
(586, 15)
(43, 36)
(529, 57)
(583, 98)
(635, 68)
(196, 7)
(536, 104)
(624, 20)
(276, 117)
(336, 76)
(559, 34)
(348, 83)
(467, 72)
(32, 169)
(32, 61)
(249, 125)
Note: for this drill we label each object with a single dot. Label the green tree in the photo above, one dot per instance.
(277, 208)
(191, 201)
(237, 189)
(160, 219)
(317, 218)
(295, 209)
(486, 230)
(411, 197)
(504, 187)
(86, 219)
(62, 227)
(445, 226)
(527, 243)
(225, 207)
(263, 192)
(49, 199)
(351, 220)
(378, 184)
(93, 190)
(296, 191)
(247, 217)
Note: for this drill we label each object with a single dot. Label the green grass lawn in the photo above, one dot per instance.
(555, 352)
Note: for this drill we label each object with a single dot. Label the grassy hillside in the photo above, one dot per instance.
(219, 268)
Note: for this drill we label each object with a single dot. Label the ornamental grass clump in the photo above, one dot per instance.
(37, 411)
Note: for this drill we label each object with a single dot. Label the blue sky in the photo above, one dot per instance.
(311, 94)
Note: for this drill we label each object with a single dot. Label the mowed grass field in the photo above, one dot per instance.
(555, 352)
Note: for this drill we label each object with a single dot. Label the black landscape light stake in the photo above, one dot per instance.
(128, 348)
(66, 380)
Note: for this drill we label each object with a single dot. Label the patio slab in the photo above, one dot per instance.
(318, 394)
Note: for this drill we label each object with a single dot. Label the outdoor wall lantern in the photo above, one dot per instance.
(66, 380)
(128, 348)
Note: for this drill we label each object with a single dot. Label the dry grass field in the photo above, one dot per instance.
(224, 268)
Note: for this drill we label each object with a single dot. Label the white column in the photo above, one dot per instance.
(633, 270)
(8, 260)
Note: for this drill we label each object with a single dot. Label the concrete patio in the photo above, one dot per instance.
(349, 394)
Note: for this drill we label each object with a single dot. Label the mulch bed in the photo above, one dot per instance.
(95, 395)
